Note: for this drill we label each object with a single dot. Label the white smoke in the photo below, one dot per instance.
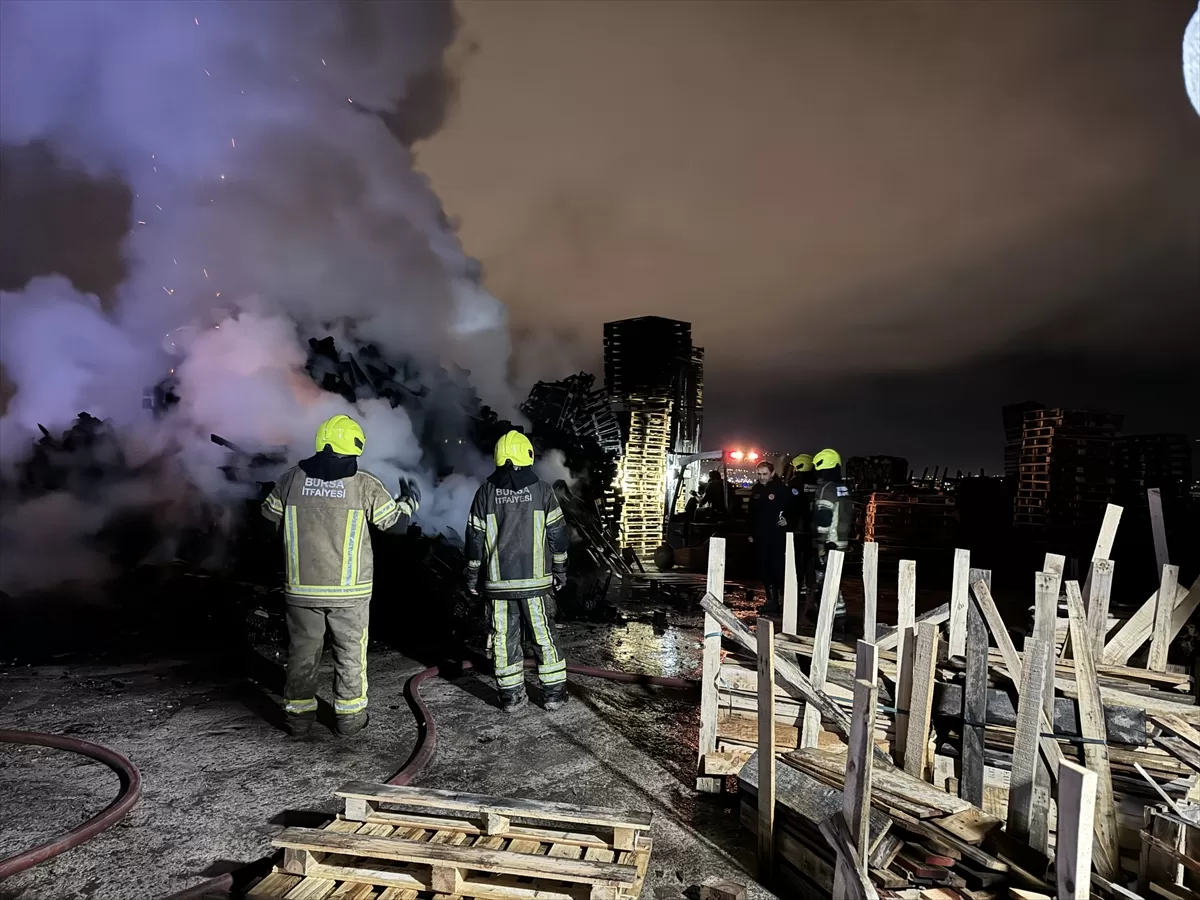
(271, 205)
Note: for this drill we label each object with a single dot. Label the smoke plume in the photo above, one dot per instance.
(256, 157)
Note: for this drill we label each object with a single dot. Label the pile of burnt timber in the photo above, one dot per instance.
(928, 764)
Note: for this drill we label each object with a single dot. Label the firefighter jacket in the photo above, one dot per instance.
(804, 492)
(325, 505)
(769, 507)
(516, 535)
(833, 514)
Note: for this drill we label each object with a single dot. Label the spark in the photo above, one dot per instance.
(167, 289)
(152, 156)
(322, 62)
(218, 327)
(172, 371)
(140, 222)
(349, 99)
(208, 73)
(205, 271)
(175, 261)
(159, 208)
(155, 168)
(234, 142)
(218, 293)
(222, 177)
(197, 21)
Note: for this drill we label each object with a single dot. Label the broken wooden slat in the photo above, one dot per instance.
(987, 606)
(906, 599)
(791, 590)
(766, 748)
(820, 657)
(1160, 635)
(1076, 811)
(959, 588)
(920, 704)
(852, 869)
(1137, 630)
(857, 797)
(974, 703)
(1095, 747)
(1158, 528)
(1025, 754)
(1046, 588)
(711, 665)
(870, 576)
(1097, 602)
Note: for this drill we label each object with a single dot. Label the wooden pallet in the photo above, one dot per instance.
(444, 844)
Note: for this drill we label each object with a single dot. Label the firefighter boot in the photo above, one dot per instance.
(512, 699)
(771, 607)
(300, 724)
(554, 696)
(348, 726)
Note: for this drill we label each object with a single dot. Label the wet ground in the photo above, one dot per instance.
(220, 778)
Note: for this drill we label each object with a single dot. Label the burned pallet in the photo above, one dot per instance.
(405, 843)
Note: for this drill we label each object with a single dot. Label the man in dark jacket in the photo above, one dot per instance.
(770, 502)
(323, 507)
(803, 484)
(833, 515)
(517, 548)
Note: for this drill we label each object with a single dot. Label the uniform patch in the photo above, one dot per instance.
(770, 496)
(843, 491)
(795, 492)
(315, 487)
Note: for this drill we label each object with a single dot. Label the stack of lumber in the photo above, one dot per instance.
(406, 843)
(997, 771)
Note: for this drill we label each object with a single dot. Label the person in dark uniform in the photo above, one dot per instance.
(714, 494)
(803, 484)
(770, 502)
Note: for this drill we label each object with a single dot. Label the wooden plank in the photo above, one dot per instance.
(1025, 755)
(987, 606)
(1045, 621)
(1103, 824)
(482, 804)
(1178, 727)
(857, 796)
(1158, 529)
(785, 669)
(791, 590)
(870, 578)
(711, 665)
(960, 587)
(890, 638)
(974, 705)
(1137, 630)
(505, 862)
(1076, 812)
(1160, 635)
(1097, 602)
(906, 605)
(906, 599)
(856, 884)
(819, 669)
(916, 751)
(766, 749)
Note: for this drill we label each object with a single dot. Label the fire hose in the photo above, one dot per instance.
(422, 754)
(126, 799)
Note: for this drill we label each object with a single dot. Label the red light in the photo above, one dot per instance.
(736, 454)
(751, 456)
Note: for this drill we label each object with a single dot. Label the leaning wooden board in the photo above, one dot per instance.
(430, 850)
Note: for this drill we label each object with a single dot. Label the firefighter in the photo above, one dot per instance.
(770, 503)
(832, 515)
(517, 548)
(803, 484)
(324, 506)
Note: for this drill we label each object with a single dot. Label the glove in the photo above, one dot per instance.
(471, 577)
(560, 581)
(410, 493)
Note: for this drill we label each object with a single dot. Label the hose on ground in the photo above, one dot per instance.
(423, 751)
(126, 799)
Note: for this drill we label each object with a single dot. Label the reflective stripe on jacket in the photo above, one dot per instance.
(832, 513)
(326, 539)
(516, 537)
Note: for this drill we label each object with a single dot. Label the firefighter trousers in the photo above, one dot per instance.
(347, 627)
(506, 618)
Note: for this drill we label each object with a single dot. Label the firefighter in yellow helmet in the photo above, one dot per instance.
(803, 485)
(832, 515)
(324, 506)
(517, 555)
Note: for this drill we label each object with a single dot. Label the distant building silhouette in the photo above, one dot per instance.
(1014, 423)
(1066, 473)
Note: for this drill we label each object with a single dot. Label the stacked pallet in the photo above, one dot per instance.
(642, 475)
(405, 843)
(902, 521)
(998, 772)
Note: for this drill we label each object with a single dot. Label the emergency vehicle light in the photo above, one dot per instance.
(752, 456)
(736, 454)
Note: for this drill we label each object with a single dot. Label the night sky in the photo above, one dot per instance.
(884, 220)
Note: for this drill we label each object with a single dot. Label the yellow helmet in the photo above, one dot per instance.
(342, 435)
(803, 462)
(514, 448)
(826, 459)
